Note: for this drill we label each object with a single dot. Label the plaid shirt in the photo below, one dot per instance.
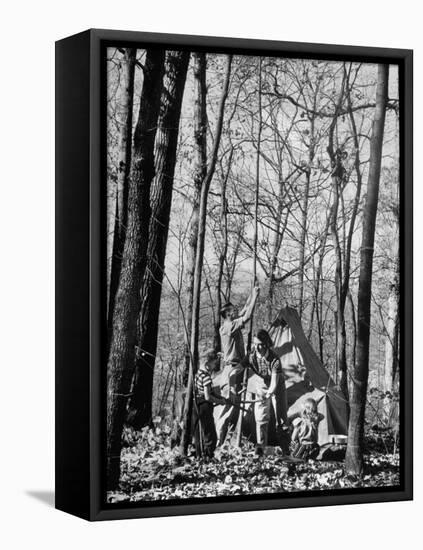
(266, 366)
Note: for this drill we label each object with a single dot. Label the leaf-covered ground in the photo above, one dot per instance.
(151, 470)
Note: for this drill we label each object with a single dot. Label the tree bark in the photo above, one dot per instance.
(317, 294)
(392, 333)
(223, 252)
(124, 165)
(120, 366)
(200, 156)
(354, 455)
(304, 209)
(391, 344)
(140, 405)
(255, 239)
(338, 184)
(276, 246)
(341, 357)
(256, 201)
(186, 430)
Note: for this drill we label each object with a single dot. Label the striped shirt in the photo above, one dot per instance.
(201, 380)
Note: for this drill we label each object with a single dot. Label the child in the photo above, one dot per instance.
(304, 437)
(205, 437)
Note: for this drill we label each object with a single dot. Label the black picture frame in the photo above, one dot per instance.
(80, 208)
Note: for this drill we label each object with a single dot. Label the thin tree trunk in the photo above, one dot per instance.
(231, 267)
(124, 165)
(256, 200)
(338, 187)
(186, 430)
(255, 239)
(391, 342)
(392, 333)
(200, 158)
(317, 301)
(354, 455)
(345, 288)
(223, 253)
(354, 334)
(277, 243)
(304, 213)
(341, 358)
(120, 366)
(140, 405)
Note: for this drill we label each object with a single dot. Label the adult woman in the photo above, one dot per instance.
(270, 391)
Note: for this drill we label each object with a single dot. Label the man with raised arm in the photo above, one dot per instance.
(233, 351)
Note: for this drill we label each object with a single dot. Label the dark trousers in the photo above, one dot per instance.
(204, 429)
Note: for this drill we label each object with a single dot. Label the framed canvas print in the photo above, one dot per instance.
(233, 274)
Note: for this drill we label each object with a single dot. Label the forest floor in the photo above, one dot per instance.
(151, 470)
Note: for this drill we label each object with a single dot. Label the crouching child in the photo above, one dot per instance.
(304, 436)
(204, 429)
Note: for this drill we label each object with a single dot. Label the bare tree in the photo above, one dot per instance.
(186, 432)
(223, 219)
(200, 154)
(120, 365)
(124, 164)
(140, 405)
(354, 455)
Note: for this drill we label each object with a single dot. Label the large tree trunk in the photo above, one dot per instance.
(200, 157)
(121, 360)
(124, 164)
(354, 455)
(186, 430)
(140, 405)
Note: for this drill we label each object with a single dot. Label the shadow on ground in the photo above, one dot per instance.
(46, 497)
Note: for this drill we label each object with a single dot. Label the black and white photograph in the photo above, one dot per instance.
(211, 275)
(252, 256)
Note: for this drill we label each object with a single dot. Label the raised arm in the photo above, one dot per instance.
(248, 309)
(247, 303)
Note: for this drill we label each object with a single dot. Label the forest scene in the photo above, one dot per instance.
(252, 275)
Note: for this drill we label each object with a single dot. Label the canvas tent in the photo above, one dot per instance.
(305, 376)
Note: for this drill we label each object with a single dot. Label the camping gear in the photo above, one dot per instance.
(339, 439)
(332, 451)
